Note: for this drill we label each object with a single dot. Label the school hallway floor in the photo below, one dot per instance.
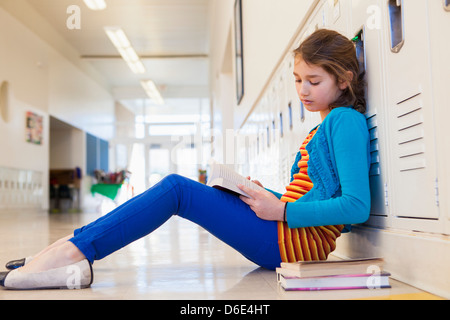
(180, 261)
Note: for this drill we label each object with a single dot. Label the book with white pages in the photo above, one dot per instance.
(224, 178)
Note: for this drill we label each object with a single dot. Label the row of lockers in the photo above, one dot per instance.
(20, 188)
(404, 48)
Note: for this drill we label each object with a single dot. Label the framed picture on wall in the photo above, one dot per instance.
(239, 51)
(34, 128)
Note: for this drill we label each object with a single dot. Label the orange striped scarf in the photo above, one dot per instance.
(310, 243)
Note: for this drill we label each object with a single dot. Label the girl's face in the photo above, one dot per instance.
(316, 88)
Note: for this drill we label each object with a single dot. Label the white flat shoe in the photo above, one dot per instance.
(74, 276)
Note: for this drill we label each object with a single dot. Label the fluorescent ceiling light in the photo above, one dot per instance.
(123, 45)
(128, 54)
(152, 91)
(95, 4)
(137, 67)
(118, 37)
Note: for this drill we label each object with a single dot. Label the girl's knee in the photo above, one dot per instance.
(173, 178)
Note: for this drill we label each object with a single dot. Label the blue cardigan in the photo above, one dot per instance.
(339, 166)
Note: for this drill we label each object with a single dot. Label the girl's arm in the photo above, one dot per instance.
(350, 139)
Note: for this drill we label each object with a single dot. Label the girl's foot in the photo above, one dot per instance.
(56, 257)
(60, 267)
(74, 276)
(14, 264)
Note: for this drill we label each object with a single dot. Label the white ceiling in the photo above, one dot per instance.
(170, 36)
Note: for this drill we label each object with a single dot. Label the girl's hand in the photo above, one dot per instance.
(265, 204)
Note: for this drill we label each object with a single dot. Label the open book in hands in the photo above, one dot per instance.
(224, 178)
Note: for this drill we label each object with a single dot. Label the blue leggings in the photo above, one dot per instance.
(220, 213)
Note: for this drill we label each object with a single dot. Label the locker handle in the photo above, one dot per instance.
(396, 24)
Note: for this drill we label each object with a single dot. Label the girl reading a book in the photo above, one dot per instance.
(328, 191)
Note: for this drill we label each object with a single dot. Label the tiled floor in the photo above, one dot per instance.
(177, 262)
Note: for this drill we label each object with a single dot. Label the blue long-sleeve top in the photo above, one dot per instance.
(338, 166)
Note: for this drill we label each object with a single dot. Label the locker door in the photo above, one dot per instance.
(410, 111)
(339, 15)
(366, 17)
(292, 100)
(276, 149)
(267, 174)
(439, 17)
(291, 121)
(283, 123)
(320, 18)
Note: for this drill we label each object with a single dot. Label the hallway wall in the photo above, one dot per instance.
(263, 46)
(44, 82)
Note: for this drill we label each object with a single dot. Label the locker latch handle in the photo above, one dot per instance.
(396, 24)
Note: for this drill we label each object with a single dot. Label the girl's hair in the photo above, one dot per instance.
(336, 55)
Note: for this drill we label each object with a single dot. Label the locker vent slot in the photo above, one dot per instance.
(411, 134)
(378, 200)
(374, 146)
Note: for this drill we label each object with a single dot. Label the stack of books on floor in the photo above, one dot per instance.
(333, 275)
